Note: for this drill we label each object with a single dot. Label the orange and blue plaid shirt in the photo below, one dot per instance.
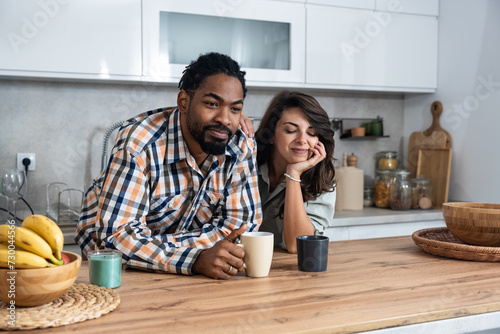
(157, 206)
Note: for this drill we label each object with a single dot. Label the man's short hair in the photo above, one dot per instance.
(210, 64)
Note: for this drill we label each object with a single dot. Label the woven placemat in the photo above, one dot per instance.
(440, 241)
(81, 302)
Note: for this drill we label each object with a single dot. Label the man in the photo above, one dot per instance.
(181, 185)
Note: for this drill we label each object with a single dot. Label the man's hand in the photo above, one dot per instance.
(224, 259)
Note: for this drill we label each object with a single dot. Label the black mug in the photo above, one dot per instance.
(312, 252)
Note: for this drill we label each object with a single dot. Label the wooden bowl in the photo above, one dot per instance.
(474, 223)
(33, 287)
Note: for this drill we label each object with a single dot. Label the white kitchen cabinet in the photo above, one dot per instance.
(365, 4)
(422, 7)
(377, 45)
(267, 38)
(77, 39)
(237, 1)
(370, 50)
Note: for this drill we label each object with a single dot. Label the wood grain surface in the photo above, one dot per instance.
(369, 284)
(435, 164)
(434, 137)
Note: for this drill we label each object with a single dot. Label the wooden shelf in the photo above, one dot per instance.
(349, 137)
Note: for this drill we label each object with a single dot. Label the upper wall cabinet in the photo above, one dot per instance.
(267, 38)
(364, 45)
(422, 7)
(365, 4)
(371, 50)
(82, 39)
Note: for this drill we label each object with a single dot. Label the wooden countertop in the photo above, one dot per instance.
(370, 284)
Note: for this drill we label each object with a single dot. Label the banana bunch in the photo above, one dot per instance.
(23, 259)
(38, 243)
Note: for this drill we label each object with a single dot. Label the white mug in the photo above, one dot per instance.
(258, 248)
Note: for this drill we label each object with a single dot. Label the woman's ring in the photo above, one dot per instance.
(229, 270)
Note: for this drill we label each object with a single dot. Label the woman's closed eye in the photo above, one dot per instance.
(309, 133)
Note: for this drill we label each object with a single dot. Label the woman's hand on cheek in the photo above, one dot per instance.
(317, 154)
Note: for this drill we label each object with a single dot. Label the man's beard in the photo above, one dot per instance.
(216, 146)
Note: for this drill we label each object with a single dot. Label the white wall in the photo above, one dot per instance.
(469, 89)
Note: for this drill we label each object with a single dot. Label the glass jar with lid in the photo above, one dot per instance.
(382, 182)
(368, 196)
(400, 197)
(387, 160)
(422, 190)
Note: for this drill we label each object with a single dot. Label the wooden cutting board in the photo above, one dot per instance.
(433, 137)
(435, 164)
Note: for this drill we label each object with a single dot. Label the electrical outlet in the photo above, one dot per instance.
(20, 158)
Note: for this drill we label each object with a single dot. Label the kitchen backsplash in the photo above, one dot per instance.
(64, 124)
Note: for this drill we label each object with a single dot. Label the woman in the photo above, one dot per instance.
(296, 174)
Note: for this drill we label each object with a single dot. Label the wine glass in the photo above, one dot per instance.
(14, 187)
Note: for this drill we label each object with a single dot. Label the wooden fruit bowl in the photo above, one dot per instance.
(33, 287)
(474, 223)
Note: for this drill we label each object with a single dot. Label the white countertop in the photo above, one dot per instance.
(380, 223)
(373, 216)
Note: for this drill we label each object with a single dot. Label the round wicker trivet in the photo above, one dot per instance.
(81, 302)
(440, 241)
